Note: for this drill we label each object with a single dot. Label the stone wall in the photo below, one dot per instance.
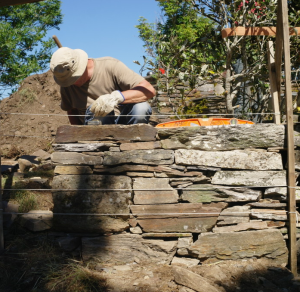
(196, 194)
(165, 104)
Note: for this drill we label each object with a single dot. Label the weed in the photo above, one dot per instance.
(75, 277)
(26, 260)
(190, 108)
(28, 96)
(26, 199)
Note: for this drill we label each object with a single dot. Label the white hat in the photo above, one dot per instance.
(68, 65)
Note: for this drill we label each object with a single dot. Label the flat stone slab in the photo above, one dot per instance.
(70, 158)
(235, 159)
(250, 178)
(223, 137)
(82, 147)
(126, 248)
(269, 214)
(194, 218)
(258, 225)
(268, 204)
(185, 262)
(280, 193)
(140, 146)
(37, 220)
(139, 132)
(149, 157)
(234, 215)
(206, 193)
(103, 201)
(157, 191)
(192, 280)
(164, 235)
(241, 245)
(131, 167)
(72, 169)
(41, 154)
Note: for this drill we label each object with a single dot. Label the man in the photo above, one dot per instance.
(96, 87)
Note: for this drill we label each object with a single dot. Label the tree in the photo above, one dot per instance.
(251, 51)
(23, 48)
(178, 44)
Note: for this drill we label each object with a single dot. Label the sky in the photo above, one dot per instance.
(106, 28)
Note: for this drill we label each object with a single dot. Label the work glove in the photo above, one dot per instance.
(104, 104)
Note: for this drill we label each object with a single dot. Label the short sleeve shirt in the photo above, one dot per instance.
(109, 75)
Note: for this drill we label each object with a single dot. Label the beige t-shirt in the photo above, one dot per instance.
(109, 74)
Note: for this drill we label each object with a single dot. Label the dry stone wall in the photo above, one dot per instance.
(165, 105)
(196, 194)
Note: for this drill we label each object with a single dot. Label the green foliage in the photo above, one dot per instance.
(23, 47)
(26, 199)
(250, 83)
(182, 38)
(188, 108)
(180, 44)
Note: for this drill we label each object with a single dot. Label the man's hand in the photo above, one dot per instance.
(104, 104)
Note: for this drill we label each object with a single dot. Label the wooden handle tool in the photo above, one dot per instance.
(57, 41)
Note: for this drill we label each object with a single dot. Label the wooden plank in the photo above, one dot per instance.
(290, 140)
(16, 2)
(255, 31)
(273, 84)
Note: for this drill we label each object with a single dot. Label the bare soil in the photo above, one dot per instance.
(29, 117)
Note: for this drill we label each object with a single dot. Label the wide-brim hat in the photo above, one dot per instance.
(68, 65)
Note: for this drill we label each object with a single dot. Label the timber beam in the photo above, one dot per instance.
(257, 31)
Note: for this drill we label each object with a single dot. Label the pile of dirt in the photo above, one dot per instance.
(29, 117)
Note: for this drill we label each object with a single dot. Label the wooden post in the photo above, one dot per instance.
(284, 36)
(279, 49)
(1, 213)
(273, 86)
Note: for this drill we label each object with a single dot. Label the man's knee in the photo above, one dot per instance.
(141, 113)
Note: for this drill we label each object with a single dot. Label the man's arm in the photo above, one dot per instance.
(140, 93)
(74, 120)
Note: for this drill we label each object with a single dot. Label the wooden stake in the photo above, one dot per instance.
(279, 49)
(1, 213)
(282, 5)
(273, 86)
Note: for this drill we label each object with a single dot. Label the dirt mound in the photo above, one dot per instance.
(29, 117)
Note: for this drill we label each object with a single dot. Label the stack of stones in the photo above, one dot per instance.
(193, 194)
(166, 104)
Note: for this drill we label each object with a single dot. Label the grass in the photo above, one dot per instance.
(75, 277)
(26, 199)
(34, 263)
(27, 96)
